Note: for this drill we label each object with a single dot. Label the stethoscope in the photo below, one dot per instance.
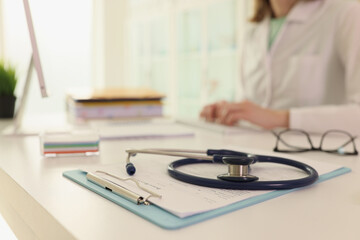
(238, 175)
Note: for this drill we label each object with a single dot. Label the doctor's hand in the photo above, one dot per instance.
(230, 113)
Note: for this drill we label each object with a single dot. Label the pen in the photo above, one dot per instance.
(113, 187)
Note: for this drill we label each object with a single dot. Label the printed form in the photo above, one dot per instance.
(184, 199)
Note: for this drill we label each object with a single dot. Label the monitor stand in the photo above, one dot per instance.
(15, 127)
(35, 125)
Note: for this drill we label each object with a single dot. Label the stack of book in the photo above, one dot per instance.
(84, 142)
(114, 103)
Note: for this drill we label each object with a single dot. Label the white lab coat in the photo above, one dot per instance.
(312, 68)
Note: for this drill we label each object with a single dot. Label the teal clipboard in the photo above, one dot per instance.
(167, 220)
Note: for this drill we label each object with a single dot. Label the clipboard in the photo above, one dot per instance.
(166, 220)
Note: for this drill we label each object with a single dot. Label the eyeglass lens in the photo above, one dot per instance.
(337, 141)
(293, 140)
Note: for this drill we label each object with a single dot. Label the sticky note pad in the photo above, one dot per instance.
(76, 142)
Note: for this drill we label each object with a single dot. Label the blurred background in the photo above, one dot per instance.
(188, 50)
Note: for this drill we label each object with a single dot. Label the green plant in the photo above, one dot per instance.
(8, 80)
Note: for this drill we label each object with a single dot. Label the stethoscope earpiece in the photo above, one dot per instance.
(130, 169)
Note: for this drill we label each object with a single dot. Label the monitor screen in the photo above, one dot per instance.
(35, 50)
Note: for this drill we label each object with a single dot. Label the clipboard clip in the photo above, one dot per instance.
(120, 190)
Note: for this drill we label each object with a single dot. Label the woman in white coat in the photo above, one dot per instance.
(300, 68)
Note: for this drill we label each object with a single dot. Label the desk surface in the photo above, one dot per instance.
(39, 203)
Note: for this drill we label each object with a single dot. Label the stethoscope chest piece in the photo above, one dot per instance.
(238, 169)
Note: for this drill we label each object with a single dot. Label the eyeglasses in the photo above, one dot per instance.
(332, 141)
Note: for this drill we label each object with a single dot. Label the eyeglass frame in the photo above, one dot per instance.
(299, 150)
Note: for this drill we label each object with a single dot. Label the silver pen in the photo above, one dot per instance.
(121, 191)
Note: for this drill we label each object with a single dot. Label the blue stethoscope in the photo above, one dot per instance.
(238, 175)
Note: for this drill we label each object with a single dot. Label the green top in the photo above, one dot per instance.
(275, 26)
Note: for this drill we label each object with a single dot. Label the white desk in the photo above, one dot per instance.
(39, 203)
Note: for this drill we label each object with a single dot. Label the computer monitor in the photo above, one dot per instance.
(35, 56)
(35, 62)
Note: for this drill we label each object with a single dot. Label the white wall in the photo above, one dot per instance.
(63, 31)
(187, 49)
(1, 31)
(108, 57)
